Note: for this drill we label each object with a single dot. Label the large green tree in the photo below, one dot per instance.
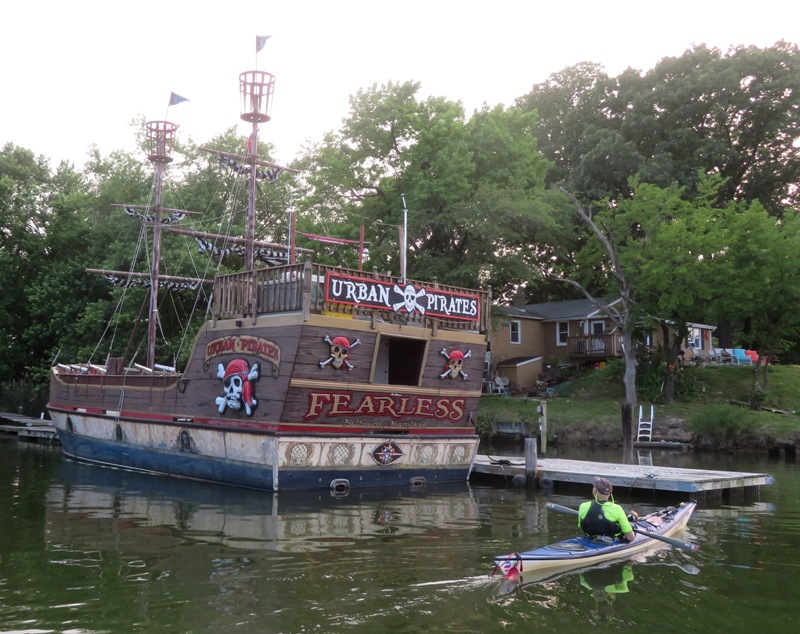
(755, 282)
(734, 113)
(474, 188)
(32, 200)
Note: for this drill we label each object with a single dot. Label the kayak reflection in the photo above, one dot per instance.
(604, 580)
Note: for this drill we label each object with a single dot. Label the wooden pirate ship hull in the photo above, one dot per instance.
(307, 377)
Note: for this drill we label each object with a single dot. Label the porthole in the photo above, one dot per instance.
(186, 442)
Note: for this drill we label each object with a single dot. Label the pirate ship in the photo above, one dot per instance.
(304, 376)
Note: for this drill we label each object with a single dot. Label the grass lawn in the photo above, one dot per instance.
(590, 408)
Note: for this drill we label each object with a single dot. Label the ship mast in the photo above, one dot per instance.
(160, 139)
(255, 88)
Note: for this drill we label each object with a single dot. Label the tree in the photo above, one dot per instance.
(673, 252)
(604, 249)
(27, 190)
(756, 282)
(736, 114)
(474, 189)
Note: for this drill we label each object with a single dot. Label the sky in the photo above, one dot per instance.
(77, 73)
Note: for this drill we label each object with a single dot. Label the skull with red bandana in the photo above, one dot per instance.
(455, 362)
(237, 379)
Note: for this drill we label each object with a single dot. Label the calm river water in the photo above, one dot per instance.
(86, 549)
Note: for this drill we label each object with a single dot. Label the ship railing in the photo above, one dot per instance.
(301, 287)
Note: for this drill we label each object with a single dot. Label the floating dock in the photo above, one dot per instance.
(623, 476)
(27, 427)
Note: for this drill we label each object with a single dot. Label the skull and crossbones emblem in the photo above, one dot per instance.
(237, 379)
(339, 352)
(455, 362)
(410, 301)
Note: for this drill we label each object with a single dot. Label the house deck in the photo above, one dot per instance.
(624, 476)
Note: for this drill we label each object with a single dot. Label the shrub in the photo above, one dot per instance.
(721, 426)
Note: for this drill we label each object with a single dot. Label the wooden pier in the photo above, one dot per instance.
(27, 427)
(622, 476)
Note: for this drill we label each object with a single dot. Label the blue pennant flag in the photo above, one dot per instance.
(175, 99)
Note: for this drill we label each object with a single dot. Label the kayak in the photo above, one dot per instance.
(579, 552)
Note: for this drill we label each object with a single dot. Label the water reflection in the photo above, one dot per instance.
(89, 549)
(112, 509)
(216, 557)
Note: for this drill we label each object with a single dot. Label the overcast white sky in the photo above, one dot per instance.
(76, 72)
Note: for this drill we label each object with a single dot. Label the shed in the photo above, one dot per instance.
(522, 372)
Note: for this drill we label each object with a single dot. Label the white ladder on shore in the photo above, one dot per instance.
(645, 430)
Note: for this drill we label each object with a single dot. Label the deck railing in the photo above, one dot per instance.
(594, 346)
(301, 287)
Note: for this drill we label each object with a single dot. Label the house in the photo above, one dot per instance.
(535, 339)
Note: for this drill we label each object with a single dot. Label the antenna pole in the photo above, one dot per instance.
(404, 245)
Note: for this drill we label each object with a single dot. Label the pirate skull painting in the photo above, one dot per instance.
(455, 363)
(411, 299)
(237, 380)
(339, 352)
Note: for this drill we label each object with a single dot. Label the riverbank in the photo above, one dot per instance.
(715, 417)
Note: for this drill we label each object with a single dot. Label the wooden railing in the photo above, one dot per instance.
(595, 346)
(301, 287)
(273, 290)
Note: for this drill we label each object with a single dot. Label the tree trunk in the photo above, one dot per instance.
(627, 433)
(672, 348)
(630, 397)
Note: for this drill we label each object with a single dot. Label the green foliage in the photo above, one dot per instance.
(735, 113)
(699, 247)
(22, 395)
(474, 189)
(652, 374)
(723, 425)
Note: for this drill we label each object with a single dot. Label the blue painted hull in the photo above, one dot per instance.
(193, 466)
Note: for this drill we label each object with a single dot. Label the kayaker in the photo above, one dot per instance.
(603, 516)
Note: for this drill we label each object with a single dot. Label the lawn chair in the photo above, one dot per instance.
(500, 385)
(740, 358)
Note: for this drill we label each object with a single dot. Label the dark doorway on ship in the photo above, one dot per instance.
(400, 361)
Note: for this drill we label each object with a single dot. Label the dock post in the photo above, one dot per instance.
(542, 409)
(530, 461)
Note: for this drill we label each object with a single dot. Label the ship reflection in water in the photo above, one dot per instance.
(109, 509)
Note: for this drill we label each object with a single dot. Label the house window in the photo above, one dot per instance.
(695, 339)
(598, 342)
(516, 332)
(562, 332)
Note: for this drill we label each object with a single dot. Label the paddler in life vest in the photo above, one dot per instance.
(602, 516)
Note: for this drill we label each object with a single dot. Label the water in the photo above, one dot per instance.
(85, 549)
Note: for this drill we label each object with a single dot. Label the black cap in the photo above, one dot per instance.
(603, 486)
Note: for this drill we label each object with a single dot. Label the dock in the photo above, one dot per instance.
(623, 476)
(27, 427)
